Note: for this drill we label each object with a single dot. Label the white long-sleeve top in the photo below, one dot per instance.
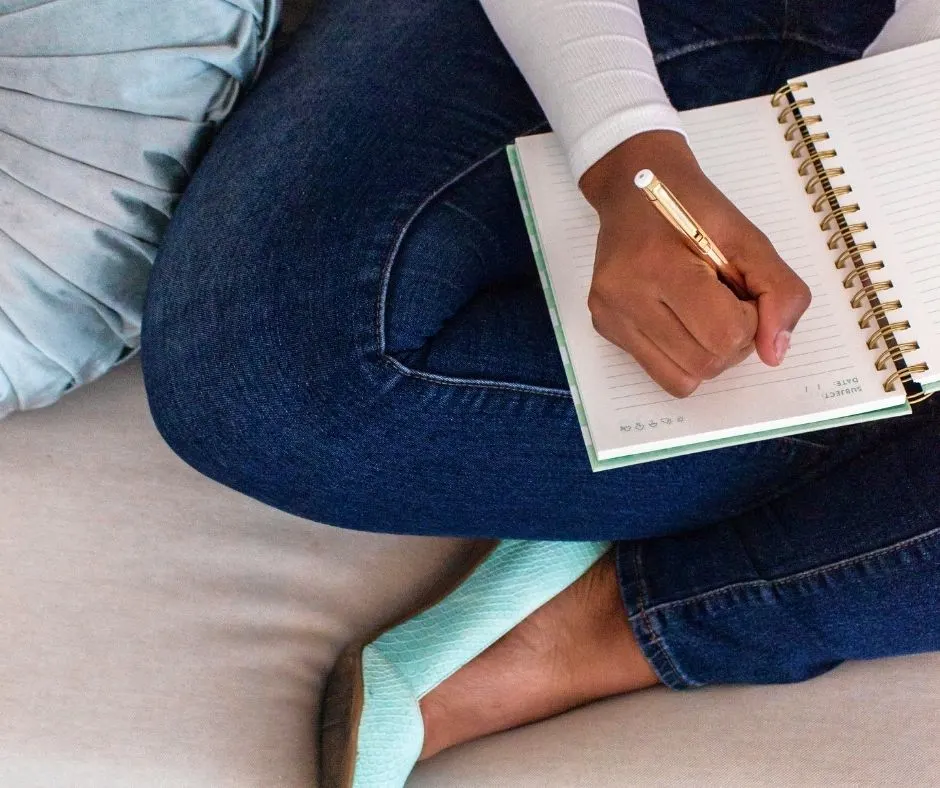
(591, 68)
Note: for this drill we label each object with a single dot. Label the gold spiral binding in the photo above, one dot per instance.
(870, 292)
(800, 125)
(859, 271)
(789, 108)
(848, 254)
(829, 194)
(884, 331)
(893, 353)
(817, 179)
(819, 175)
(906, 376)
(809, 141)
(878, 311)
(836, 214)
(810, 161)
(833, 242)
(786, 92)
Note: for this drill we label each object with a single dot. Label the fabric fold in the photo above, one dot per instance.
(106, 107)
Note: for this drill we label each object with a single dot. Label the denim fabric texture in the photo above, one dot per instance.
(355, 334)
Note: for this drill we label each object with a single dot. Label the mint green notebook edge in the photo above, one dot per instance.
(522, 190)
(598, 464)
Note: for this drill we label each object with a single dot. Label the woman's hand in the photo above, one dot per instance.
(655, 298)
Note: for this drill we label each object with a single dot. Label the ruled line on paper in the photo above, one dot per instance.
(889, 83)
(815, 367)
(902, 67)
(895, 138)
(760, 374)
(700, 394)
(728, 383)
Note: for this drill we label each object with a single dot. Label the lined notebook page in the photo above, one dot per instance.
(828, 372)
(883, 115)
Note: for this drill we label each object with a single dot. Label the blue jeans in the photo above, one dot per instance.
(345, 323)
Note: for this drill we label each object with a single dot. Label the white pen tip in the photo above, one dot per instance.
(643, 179)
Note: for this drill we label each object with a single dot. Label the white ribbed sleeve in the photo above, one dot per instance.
(590, 66)
(591, 69)
(914, 22)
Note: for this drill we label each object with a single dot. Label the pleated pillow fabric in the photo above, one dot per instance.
(105, 109)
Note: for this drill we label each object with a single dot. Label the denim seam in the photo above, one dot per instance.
(809, 470)
(381, 304)
(652, 641)
(444, 380)
(690, 49)
(847, 562)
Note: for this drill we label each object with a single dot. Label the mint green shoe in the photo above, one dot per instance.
(372, 732)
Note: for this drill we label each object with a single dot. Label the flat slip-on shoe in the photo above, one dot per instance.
(372, 731)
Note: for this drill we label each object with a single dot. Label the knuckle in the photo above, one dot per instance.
(597, 301)
(804, 296)
(604, 326)
(699, 273)
(711, 368)
(603, 296)
(742, 355)
(727, 339)
(759, 238)
(738, 337)
(601, 327)
(701, 364)
(683, 386)
(680, 384)
(599, 310)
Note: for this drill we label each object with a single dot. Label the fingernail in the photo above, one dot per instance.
(782, 345)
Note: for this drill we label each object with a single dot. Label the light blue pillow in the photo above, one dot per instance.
(105, 109)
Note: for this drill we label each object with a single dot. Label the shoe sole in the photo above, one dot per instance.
(344, 693)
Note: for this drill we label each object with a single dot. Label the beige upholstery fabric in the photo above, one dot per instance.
(158, 630)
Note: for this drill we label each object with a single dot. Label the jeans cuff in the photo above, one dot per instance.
(648, 633)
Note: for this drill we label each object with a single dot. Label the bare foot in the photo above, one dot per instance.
(575, 649)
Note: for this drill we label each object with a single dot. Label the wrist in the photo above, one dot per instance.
(610, 180)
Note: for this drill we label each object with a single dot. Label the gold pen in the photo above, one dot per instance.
(666, 203)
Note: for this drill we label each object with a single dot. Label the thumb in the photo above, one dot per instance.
(782, 298)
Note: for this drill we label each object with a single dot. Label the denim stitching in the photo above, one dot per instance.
(847, 562)
(690, 49)
(656, 640)
(381, 303)
(395, 364)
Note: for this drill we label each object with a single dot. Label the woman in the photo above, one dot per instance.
(346, 323)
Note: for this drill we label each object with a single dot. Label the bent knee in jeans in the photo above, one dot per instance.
(460, 301)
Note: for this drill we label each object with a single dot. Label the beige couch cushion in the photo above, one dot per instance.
(158, 630)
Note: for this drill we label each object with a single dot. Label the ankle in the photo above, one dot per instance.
(610, 661)
(441, 727)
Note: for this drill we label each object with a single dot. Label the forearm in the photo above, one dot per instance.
(914, 22)
(591, 68)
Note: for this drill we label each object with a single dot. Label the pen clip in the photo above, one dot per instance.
(691, 231)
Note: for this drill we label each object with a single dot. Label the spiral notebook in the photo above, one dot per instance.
(841, 170)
